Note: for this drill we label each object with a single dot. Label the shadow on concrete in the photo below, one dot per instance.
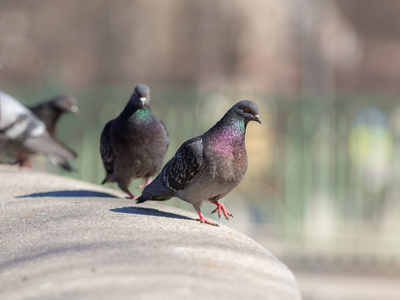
(75, 193)
(148, 212)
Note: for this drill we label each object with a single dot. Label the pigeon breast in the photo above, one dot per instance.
(225, 152)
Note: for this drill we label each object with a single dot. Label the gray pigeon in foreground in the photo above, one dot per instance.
(134, 144)
(50, 111)
(207, 167)
(22, 134)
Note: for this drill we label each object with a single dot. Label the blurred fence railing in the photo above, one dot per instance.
(338, 173)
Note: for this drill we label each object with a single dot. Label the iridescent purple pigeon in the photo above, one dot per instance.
(207, 167)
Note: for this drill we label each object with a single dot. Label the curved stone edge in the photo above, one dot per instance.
(227, 262)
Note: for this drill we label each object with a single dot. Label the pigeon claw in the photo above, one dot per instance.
(201, 219)
(131, 196)
(221, 207)
(207, 222)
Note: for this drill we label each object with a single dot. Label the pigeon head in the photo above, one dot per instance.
(247, 110)
(141, 96)
(65, 103)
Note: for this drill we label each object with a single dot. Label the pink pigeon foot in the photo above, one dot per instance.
(23, 161)
(131, 196)
(220, 207)
(204, 220)
(145, 184)
(25, 165)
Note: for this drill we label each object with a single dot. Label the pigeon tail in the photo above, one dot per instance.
(107, 179)
(155, 197)
(155, 191)
(66, 166)
(142, 199)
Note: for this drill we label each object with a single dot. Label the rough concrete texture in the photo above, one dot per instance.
(67, 239)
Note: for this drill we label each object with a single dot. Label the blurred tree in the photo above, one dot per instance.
(273, 46)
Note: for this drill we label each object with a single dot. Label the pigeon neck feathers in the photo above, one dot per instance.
(141, 114)
(48, 114)
(134, 112)
(240, 115)
(231, 124)
(229, 132)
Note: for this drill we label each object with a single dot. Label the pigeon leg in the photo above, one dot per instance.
(23, 161)
(131, 196)
(204, 220)
(148, 180)
(123, 185)
(220, 207)
(27, 164)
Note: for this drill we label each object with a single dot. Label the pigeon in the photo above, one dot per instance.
(134, 144)
(22, 134)
(209, 166)
(50, 111)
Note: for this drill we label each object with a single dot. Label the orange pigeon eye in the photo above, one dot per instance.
(247, 109)
(148, 94)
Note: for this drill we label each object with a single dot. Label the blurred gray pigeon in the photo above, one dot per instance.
(50, 111)
(207, 167)
(22, 134)
(134, 144)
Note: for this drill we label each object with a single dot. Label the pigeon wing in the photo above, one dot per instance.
(48, 146)
(187, 164)
(106, 148)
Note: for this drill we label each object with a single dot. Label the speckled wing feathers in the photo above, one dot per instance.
(179, 173)
(185, 166)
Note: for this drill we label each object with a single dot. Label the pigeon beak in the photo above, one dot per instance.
(143, 100)
(75, 110)
(257, 119)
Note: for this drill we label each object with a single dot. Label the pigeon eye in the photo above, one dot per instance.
(136, 94)
(247, 109)
(66, 103)
(148, 94)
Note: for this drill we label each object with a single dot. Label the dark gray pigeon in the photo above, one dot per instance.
(134, 144)
(22, 134)
(50, 111)
(207, 167)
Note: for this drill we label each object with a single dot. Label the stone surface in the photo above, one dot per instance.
(67, 239)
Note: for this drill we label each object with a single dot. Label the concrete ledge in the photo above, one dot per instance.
(67, 239)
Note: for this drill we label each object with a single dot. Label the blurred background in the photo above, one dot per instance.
(322, 188)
